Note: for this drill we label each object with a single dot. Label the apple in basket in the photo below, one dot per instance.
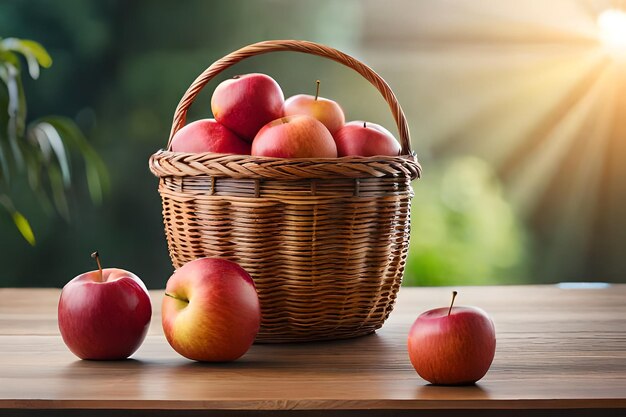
(294, 137)
(211, 311)
(207, 135)
(245, 103)
(360, 138)
(326, 111)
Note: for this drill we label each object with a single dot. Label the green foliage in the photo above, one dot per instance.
(42, 149)
(18, 218)
(464, 231)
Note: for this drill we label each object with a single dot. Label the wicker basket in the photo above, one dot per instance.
(325, 240)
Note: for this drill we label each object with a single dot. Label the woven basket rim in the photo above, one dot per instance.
(167, 163)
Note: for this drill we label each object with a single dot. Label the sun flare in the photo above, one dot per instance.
(612, 26)
(542, 98)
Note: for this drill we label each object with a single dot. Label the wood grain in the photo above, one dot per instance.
(556, 349)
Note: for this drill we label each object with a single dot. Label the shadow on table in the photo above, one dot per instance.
(444, 393)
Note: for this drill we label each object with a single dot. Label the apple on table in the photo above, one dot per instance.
(104, 314)
(211, 310)
(452, 346)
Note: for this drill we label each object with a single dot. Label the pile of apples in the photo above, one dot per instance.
(253, 118)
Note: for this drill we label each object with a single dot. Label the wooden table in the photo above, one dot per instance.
(559, 352)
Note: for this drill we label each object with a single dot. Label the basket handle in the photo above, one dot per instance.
(295, 46)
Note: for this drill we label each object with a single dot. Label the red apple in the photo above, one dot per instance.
(294, 137)
(326, 111)
(211, 310)
(245, 103)
(104, 314)
(207, 135)
(452, 346)
(360, 138)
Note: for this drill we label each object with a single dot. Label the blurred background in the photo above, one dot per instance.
(516, 111)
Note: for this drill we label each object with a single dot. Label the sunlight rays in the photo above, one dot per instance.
(538, 172)
(539, 133)
(538, 90)
(516, 103)
(580, 180)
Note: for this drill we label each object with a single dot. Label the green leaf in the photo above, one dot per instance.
(9, 57)
(35, 48)
(9, 75)
(4, 167)
(32, 158)
(4, 123)
(16, 109)
(97, 173)
(94, 178)
(35, 54)
(4, 163)
(23, 226)
(58, 192)
(49, 141)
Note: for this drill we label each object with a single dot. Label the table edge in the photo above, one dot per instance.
(320, 404)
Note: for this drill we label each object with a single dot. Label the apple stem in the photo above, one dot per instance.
(454, 293)
(365, 124)
(177, 298)
(317, 89)
(96, 256)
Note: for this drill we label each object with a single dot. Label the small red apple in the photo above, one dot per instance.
(452, 346)
(104, 314)
(207, 135)
(245, 103)
(326, 111)
(360, 138)
(294, 137)
(211, 310)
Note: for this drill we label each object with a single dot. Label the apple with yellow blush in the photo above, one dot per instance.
(211, 310)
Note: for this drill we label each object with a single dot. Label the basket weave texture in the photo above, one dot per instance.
(325, 240)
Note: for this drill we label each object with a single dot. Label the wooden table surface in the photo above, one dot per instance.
(559, 351)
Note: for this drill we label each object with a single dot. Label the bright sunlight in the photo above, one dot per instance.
(612, 25)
